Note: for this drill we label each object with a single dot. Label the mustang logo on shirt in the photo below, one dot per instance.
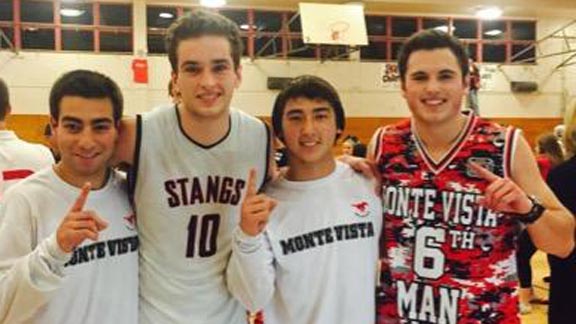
(361, 209)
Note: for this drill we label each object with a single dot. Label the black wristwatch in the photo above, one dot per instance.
(534, 214)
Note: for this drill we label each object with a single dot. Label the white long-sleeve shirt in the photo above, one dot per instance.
(316, 262)
(96, 284)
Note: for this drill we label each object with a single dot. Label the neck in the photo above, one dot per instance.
(3, 125)
(205, 131)
(303, 171)
(438, 138)
(97, 180)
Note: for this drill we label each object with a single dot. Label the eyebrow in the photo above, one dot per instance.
(315, 110)
(213, 62)
(93, 121)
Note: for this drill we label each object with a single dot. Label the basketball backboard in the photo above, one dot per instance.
(333, 24)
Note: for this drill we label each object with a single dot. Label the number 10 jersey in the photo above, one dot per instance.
(187, 202)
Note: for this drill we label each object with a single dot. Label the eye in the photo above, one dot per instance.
(294, 117)
(192, 69)
(103, 127)
(72, 127)
(220, 68)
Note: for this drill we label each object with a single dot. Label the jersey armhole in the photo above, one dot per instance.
(133, 170)
(267, 158)
(511, 142)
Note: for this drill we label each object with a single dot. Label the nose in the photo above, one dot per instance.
(308, 125)
(433, 85)
(207, 78)
(86, 140)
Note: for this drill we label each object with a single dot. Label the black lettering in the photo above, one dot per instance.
(226, 190)
(213, 185)
(197, 196)
(184, 193)
(173, 200)
(288, 246)
(237, 192)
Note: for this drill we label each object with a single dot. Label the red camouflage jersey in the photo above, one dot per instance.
(445, 259)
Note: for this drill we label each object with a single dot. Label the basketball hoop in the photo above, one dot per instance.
(338, 30)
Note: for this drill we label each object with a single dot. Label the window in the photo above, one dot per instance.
(376, 25)
(37, 38)
(76, 13)
(36, 11)
(465, 28)
(115, 15)
(278, 34)
(160, 17)
(297, 49)
(8, 33)
(494, 53)
(115, 42)
(6, 10)
(376, 50)
(524, 30)
(77, 40)
(85, 26)
(403, 26)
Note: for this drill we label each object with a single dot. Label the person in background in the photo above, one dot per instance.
(562, 180)
(548, 155)
(348, 144)
(18, 158)
(473, 88)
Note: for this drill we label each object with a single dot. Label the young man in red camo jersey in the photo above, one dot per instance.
(456, 191)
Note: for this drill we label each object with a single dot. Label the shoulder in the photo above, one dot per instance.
(31, 187)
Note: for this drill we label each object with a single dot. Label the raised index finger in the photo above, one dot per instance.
(251, 187)
(483, 172)
(81, 200)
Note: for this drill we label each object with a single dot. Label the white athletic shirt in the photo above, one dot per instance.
(187, 200)
(19, 159)
(316, 261)
(39, 283)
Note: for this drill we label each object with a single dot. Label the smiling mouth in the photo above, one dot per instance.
(433, 102)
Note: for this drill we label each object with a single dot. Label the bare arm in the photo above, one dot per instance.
(554, 231)
(126, 146)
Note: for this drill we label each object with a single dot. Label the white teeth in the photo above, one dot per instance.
(308, 143)
(433, 102)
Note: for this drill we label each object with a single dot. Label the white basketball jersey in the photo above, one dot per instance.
(187, 201)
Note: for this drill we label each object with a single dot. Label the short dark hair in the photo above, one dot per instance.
(200, 23)
(310, 87)
(4, 100)
(86, 84)
(431, 39)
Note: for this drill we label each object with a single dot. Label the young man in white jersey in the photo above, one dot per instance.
(456, 189)
(68, 243)
(18, 159)
(306, 251)
(190, 165)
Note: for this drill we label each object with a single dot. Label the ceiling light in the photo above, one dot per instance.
(488, 13)
(493, 32)
(212, 3)
(443, 28)
(71, 12)
(166, 15)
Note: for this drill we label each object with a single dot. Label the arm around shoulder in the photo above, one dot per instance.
(126, 146)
